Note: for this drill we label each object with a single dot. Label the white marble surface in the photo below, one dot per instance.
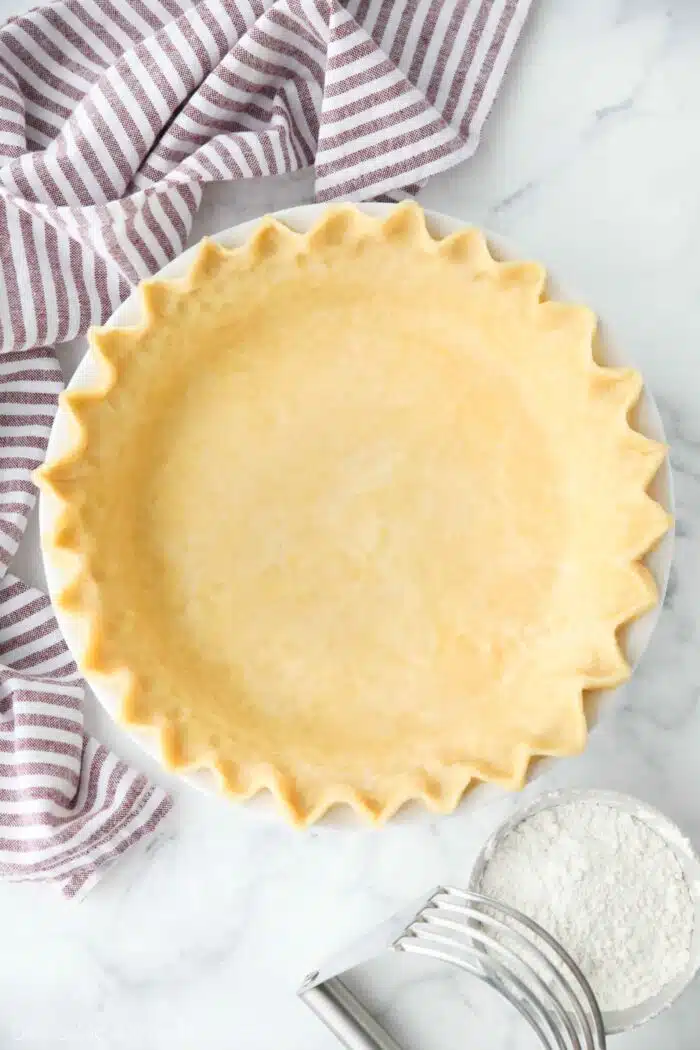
(590, 162)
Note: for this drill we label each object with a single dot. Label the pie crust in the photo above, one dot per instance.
(354, 515)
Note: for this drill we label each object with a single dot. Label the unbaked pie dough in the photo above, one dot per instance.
(355, 516)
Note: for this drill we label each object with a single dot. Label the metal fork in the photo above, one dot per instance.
(489, 940)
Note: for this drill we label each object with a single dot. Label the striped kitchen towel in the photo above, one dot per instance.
(112, 118)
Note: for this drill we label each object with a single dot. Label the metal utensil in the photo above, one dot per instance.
(490, 941)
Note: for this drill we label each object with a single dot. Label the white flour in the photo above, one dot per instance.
(608, 888)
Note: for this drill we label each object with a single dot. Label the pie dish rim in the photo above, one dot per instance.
(635, 636)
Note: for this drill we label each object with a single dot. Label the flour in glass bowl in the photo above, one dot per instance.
(607, 887)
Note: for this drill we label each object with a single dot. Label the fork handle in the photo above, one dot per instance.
(335, 1005)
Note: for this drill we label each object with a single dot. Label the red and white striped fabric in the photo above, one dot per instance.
(68, 807)
(112, 117)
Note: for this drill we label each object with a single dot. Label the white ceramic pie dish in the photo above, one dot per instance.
(648, 421)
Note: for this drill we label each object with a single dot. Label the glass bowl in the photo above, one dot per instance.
(630, 1017)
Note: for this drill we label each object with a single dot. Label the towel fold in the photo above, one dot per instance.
(112, 117)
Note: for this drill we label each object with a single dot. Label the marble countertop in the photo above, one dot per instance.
(590, 162)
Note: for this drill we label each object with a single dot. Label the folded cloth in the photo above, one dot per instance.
(112, 117)
(68, 807)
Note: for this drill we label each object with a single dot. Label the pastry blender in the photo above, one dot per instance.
(489, 940)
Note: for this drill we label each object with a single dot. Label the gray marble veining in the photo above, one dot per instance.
(589, 162)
